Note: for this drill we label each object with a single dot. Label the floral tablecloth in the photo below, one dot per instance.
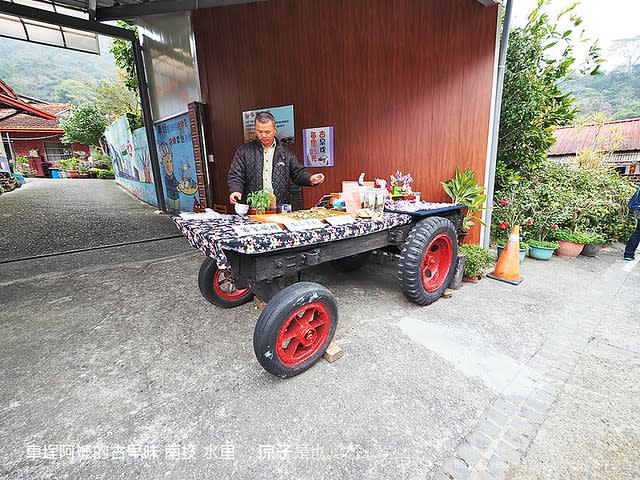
(213, 236)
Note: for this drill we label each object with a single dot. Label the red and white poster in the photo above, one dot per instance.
(317, 147)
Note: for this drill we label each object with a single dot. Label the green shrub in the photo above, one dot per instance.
(102, 172)
(477, 260)
(543, 244)
(69, 164)
(574, 237)
(575, 199)
(594, 238)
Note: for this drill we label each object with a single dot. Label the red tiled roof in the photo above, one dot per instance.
(29, 123)
(571, 139)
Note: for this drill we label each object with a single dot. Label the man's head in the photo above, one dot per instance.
(265, 128)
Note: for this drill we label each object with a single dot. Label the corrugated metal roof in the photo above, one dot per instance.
(621, 158)
(29, 123)
(571, 139)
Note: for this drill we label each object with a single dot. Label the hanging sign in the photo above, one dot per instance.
(317, 146)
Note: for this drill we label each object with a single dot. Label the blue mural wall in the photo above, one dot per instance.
(4, 162)
(177, 164)
(129, 152)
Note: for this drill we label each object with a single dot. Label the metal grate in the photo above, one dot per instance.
(56, 151)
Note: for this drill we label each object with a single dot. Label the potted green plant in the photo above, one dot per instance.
(593, 245)
(22, 164)
(260, 201)
(83, 171)
(570, 244)
(476, 261)
(463, 189)
(541, 249)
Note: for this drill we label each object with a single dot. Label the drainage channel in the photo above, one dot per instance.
(88, 249)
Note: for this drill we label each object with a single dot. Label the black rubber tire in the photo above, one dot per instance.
(413, 251)
(273, 318)
(350, 264)
(208, 272)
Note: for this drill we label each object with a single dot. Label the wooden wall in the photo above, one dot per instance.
(405, 83)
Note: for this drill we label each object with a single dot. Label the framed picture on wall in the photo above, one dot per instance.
(284, 123)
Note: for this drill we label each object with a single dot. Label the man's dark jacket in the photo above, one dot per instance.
(245, 174)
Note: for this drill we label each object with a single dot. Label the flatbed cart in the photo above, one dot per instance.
(298, 322)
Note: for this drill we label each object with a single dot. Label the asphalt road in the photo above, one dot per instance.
(47, 216)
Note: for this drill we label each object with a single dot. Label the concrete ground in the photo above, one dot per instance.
(113, 366)
(47, 216)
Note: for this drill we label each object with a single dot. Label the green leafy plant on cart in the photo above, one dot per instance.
(260, 200)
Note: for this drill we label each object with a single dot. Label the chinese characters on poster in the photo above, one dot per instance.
(317, 146)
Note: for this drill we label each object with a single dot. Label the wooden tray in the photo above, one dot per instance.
(282, 218)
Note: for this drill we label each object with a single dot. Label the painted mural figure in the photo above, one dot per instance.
(170, 181)
(187, 185)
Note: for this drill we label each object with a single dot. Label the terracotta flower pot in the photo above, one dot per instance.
(569, 249)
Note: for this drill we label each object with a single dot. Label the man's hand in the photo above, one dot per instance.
(235, 197)
(317, 178)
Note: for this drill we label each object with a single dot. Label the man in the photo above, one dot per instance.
(265, 164)
(634, 240)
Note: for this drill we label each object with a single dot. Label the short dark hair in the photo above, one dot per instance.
(265, 117)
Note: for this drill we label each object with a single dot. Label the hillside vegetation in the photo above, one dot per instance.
(616, 93)
(53, 74)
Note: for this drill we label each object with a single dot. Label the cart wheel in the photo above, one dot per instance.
(295, 328)
(349, 264)
(217, 286)
(426, 262)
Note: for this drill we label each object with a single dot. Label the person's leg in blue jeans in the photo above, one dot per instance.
(632, 244)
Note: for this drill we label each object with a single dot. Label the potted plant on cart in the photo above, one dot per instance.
(463, 189)
(261, 202)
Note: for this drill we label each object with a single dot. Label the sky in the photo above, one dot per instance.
(606, 20)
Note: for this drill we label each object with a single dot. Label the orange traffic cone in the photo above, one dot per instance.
(508, 265)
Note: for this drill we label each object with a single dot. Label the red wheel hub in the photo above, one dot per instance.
(303, 333)
(225, 287)
(436, 262)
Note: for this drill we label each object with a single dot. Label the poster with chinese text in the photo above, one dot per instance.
(317, 147)
(284, 123)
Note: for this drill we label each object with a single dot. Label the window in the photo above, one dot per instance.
(57, 151)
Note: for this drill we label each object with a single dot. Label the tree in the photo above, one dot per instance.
(85, 125)
(122, 51)
(115, 99)
(628, 49)
(75, 92)
(539, 58)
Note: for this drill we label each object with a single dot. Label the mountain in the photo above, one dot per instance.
(38, 70)
(616, 93)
